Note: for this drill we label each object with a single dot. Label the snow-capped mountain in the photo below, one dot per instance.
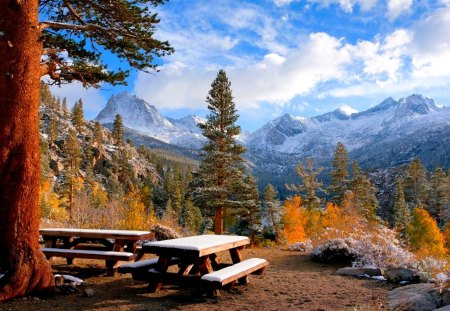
(145, 119)
(406, 125)
(389, 134)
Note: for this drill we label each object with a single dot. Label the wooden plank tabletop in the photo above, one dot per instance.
(200, 245)
(96, 233)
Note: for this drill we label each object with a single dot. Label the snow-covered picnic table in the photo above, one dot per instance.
(199, 263)
(109, 245)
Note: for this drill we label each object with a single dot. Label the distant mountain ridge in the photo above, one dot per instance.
(411, 126)
(140, 116)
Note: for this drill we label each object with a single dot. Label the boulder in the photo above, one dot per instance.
(359, 271)
(446, 308)
(417, 297)
(401, 275)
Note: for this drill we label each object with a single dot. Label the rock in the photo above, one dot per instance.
(446, 308)
(417, 297)
(88, 292)
(424, 277)
(397, 275)
(359, 271)
(59, 280)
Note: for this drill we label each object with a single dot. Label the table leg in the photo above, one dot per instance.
(111, 264)
(67, 244)
(215, 262)
(162, 265)
(237, 257)
(205, 267)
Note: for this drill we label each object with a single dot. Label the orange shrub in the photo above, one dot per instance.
(293, 221)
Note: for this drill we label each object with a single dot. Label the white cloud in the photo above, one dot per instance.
(275, 79)
(283, 2)
(397, 7)
(347, 5)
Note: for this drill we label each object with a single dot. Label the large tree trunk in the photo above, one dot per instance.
(27, 270)
(218, 221)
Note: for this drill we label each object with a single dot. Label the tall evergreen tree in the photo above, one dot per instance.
(118, 130)
(402, 214)
(221, 166)
(339, 174)
(310, 184)
(249, 216)
(78, 116)
(98, 133)
(365, 198)
(440, 197)
(72, 161)
(416, 184)
(191, 216)
(53, 130)
(272, 209)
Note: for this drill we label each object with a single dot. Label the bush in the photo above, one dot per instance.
(164, 233)
(336, 251)
(304, 247)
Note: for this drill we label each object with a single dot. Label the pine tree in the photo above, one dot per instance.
(402, 215)
(191, 216)
(65, 108)
(364, 192)
(249, 216)
(272, 209)
(78, 116)
(118, 130)
(66, 41)
(416, 184)
(73, 157)
(339, 174)
(310, 185)
(53, 130)
(177, 198)
(221, 168)
(98, 134)
(440, 197)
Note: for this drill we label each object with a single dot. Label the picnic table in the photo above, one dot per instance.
(198, 263)
(109, 245)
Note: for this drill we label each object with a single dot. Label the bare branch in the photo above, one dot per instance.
(73, 12)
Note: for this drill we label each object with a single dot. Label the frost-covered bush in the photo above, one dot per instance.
(336, 251)
(377, 247)
(304, 246)
(164, 233)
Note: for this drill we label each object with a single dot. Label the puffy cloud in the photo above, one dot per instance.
(396, 7)
(276, 79)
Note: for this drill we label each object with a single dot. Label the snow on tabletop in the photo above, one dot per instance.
(93, 231)
(199, 242)
(222, 274)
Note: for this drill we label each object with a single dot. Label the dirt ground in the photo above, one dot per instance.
(291, 282)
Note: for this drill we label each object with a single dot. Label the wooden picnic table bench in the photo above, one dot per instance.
(109, 245)
(198, 262)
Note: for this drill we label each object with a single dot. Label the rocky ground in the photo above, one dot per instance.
(291, 282)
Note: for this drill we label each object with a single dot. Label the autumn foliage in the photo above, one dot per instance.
(293, 220)
(424, 235)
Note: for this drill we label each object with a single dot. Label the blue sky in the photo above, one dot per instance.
(303, 57)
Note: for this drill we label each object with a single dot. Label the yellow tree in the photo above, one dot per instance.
(424, 235)
(292, 220)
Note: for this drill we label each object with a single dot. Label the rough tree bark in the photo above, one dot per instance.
(27, 270)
